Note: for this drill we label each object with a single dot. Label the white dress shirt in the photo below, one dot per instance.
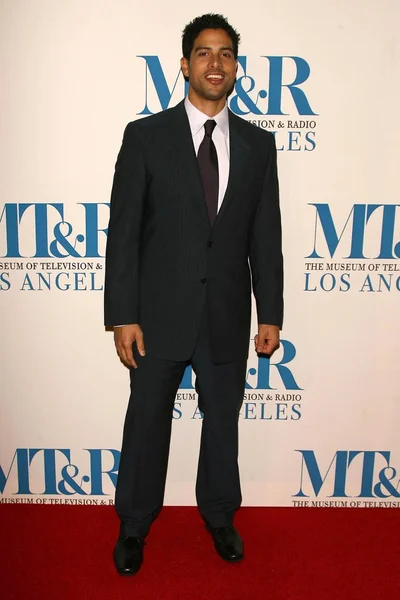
(220, 137)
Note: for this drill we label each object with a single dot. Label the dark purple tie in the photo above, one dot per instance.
(208, 165)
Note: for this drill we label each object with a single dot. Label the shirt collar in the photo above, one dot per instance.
(197, 118)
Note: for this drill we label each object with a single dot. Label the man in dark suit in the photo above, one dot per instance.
(194, 210)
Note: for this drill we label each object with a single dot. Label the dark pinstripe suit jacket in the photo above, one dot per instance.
(165, 263)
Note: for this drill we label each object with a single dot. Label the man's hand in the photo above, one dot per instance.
(267, 339)
(124, 337)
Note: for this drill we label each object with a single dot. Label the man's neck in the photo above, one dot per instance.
(208, 107)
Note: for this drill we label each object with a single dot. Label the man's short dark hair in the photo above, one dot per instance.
(208, 21)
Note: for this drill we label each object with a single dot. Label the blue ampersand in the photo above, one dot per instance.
(68, 479)
(385, 483)
(243, 95)
(61, 239)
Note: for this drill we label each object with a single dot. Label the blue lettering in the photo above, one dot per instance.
(240, 103)
(46, 282)
(331, 282)
(294, 141)
(317, 480)
(27, 284)
(93, 283)
(264, 370)
(41, 225)
(307, 283)
(10, 213)
(176, 411)
(97, 471)
(360, 214)
(186, 382)
(367, 477)
(310, 138)
(263, 417)
(93, 230)
(198, 414)
(367, 284)
(4, 282)
(59, 285)
(242, 94)
(156, 73)
(281, 412)
(275, 85)
(23, 472)
(345, 280)
(296, 410)
(249, 410)
(49, 461)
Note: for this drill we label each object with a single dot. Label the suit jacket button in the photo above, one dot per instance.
(210, 244)
(203, 281)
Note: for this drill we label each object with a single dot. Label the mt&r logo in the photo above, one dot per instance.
(63, 248)
(48, 476)
(356, 250)
(366, 475)
(278, 91)
(272, 392)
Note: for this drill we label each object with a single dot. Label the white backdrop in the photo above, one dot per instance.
(320, 427)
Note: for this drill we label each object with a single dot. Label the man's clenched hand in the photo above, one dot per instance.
(124, 337)
(267, 340)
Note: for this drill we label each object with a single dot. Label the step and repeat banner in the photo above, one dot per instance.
(319, 422)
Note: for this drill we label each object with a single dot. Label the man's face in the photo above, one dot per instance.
(211, 68)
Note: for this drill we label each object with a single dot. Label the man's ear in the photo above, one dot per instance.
(185, 67)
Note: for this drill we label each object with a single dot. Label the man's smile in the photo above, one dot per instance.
(215, 78)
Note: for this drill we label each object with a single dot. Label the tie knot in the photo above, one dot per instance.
(209, 127)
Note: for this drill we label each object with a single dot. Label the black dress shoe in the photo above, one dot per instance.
(227, 542)
(128, 555)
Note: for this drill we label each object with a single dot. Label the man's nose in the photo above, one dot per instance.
(215, 60)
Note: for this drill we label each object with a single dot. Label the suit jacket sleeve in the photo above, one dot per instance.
(266, 259)
(121, 298)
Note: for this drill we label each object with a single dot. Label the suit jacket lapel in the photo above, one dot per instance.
(238, 151)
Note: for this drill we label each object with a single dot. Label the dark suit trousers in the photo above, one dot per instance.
(147, 432)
